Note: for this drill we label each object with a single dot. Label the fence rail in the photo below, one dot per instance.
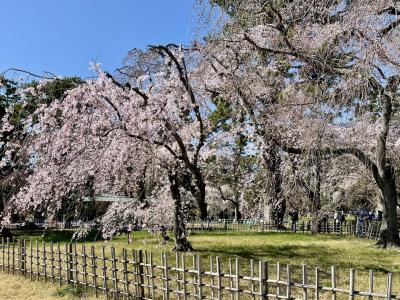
(367, 229)
(136, 274)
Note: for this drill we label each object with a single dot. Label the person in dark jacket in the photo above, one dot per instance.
(379, 216)
(294, 215)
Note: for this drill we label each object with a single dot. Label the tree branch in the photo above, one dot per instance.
(185, 81)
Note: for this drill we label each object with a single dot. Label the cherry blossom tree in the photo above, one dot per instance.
(316, 78)
(105, 136)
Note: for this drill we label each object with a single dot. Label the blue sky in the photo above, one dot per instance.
(62, 37)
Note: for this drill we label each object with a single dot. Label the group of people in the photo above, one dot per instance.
(361, 216)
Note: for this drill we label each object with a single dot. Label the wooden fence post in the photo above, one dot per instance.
(199, 279)
(184, 291)
(219, 280)
(3, 253)
(304, 279)
(52, 262)
(84, 267)
(141, 274)
(37, 261)
(165, 256)
(316, 283)
(114, 278)
(371, 284)
(389, 286)
(31, 258)
(333, 279)
(13, 258)
(263, 279)
(125, 273)
(104, 268)
(237, 279)
(94, 267)
(44, 260)
(153, 295)
(70, 263)
(351, 288)
(288, 287)
(60, 279)
(22, 257)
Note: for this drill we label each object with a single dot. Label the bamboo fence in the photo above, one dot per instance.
(136, 274)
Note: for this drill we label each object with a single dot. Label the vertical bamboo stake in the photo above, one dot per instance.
(146, 272)
(67, 263)
(153, 295)
(114, 274)
(166, 276)
(125, 273)
(75, 265)
(44, 260)
(288, 288)
(19, 256)
(231, 277)
(84, 269)
(3, 253)
(351, 291)
(304, 273)
(252, 278)
(316, 283)
(59, 264)
(52, 263)
(278, 278)
(37, 261)
(135, 272)
(177, 277)
(263, 279)
(333, 279)
(194, 276)
(8, 256)
(13, 258)
(212, 277)
(94, 267)
(371, 284)
(199, 279)
(184, 276)
(141, 273)
(219, 283)
(31, 258)
(237, 278)
(389, 285)
(23, 256)
(104, 268)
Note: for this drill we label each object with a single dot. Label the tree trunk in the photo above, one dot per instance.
(201, 197)
(276, 203)
(238, 215)
(384, 174)
(181, 242)
(390, 228)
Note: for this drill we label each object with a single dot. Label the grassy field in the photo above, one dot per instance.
(19, 288)
(322, 250)
(294, 249)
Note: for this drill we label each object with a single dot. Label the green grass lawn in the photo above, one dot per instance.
(322, 250)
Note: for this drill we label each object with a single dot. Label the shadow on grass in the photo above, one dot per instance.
(270, 252)
(59, 236)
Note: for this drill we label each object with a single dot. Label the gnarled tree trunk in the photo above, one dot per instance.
(390, 228)
(181, 242)
(200, 195)
(275, 203)
(384, 174)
